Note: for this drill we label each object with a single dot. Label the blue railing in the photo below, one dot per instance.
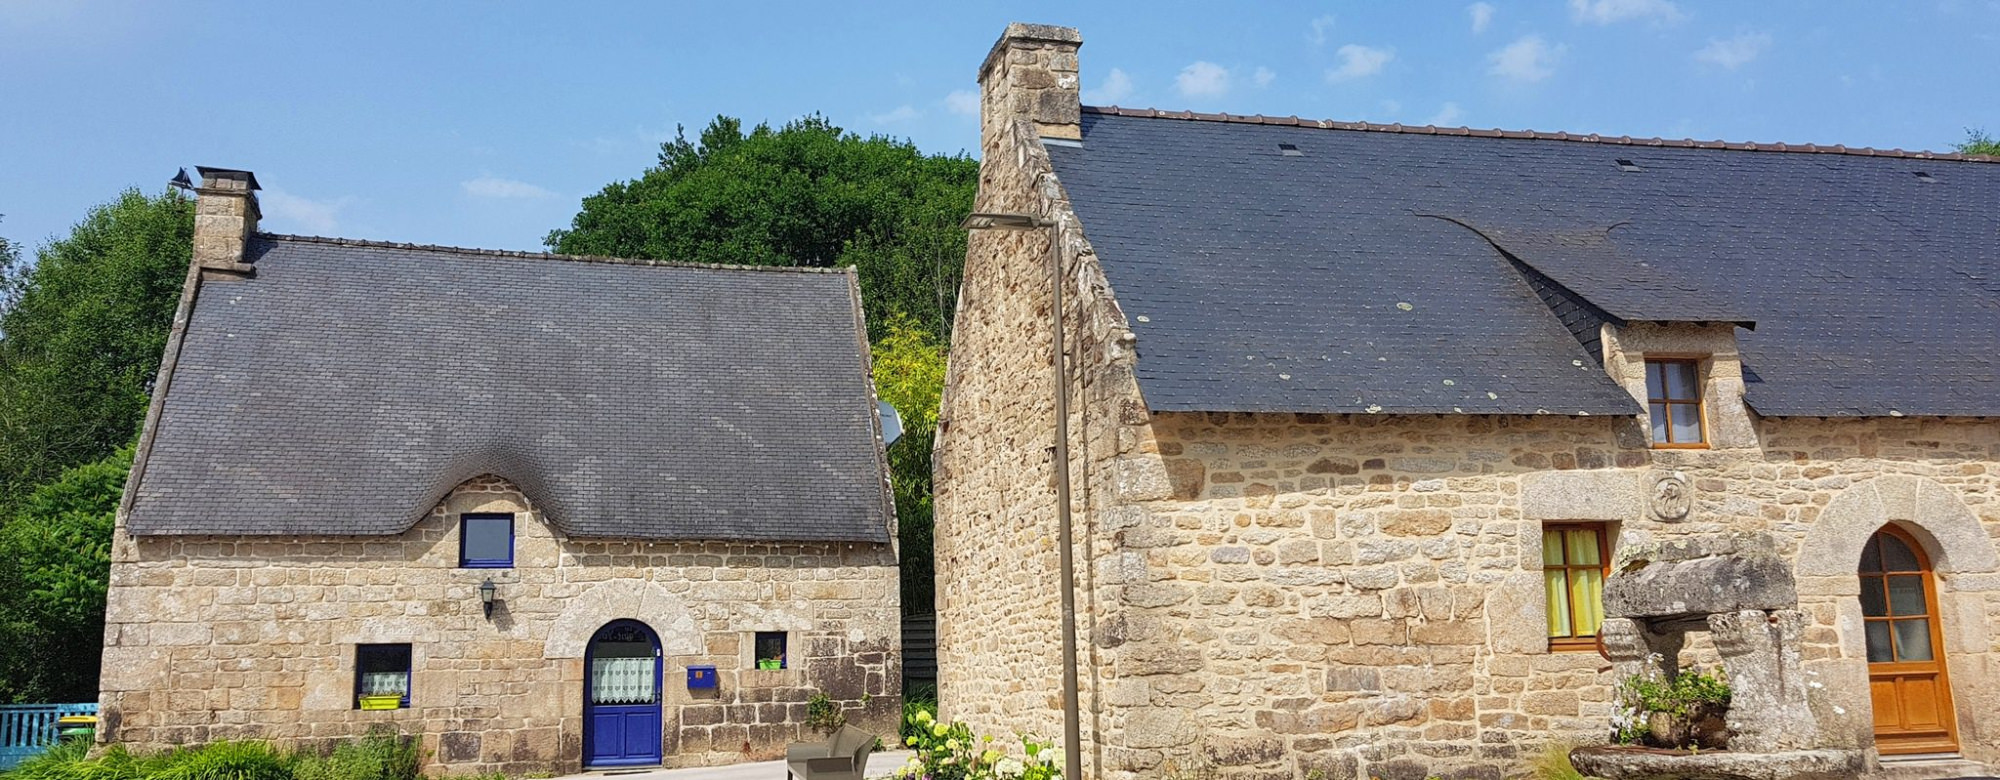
(28, 729)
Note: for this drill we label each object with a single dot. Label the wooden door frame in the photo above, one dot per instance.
(1934, 611)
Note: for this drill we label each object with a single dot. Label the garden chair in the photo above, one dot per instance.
(842, 757)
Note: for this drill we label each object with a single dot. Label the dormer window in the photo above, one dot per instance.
(486, 541)
(1673, 398)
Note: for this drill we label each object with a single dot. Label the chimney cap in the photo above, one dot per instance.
(1031, 35)
(226, 174)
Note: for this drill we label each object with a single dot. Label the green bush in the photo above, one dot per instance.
(919, 698)
(382, 755)
(379, 756)
(950, 751)
(1690, 695)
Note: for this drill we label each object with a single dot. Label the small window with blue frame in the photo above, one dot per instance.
(486, 541)
(381, 677)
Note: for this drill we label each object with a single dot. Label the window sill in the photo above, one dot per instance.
(1701, 446)
(1573, 645)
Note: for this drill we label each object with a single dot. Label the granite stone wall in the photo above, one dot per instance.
(1361, 596)
(212, 638)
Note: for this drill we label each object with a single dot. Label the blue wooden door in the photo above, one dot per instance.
(621, 704)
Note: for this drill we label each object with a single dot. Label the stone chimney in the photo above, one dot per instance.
(1031, 74)
(225, 215)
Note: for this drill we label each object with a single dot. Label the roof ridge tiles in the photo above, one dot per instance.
(460, 250)
(1592, 138)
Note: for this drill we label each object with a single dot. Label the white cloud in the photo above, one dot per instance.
(1482, 15)
(1612, 11)
(1320, 27)
(319, 217)
(1447, 116)
(963, 102)
(902, 113)
(1733, 53)
(1392, 108)
(1527, 59)
(496, 187)
(1117, 86)
(1264, 76)
(1357, 61)
(1203, 79)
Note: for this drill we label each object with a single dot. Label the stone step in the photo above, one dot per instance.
(1945, 767)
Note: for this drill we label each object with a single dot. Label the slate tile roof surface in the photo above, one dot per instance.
(1361, 275)
(348, 386)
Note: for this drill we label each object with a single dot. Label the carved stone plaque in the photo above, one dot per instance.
(1672, 498)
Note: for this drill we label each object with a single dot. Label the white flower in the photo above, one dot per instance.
(1008, 767)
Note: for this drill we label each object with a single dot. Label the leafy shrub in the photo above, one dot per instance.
(1689, 696)
(950, 751)
(921, 698)
(824, 715)
(379, 756)
(382, 755)
(226, 760)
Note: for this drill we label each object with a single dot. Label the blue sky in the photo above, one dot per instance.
(484, 124)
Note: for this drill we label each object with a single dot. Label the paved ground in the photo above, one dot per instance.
(879, 765)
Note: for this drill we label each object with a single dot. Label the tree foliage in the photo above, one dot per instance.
(807, 194)
(81, 334)
(909, 365)
(1978, 142)
(55, 561)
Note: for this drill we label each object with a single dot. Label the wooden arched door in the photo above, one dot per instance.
(1906, 670)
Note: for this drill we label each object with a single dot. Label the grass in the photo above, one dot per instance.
(1553, 763)
(378, 756)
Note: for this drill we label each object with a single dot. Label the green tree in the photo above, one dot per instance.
(1978, 142)
(909, 366)
(55, 561)
(81, 332)
(806, 194)
(809, 193)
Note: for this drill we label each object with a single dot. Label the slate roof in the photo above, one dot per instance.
(347, 386)
(1365, 273)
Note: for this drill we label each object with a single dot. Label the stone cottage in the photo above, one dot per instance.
(1362, 418)
(545, 512)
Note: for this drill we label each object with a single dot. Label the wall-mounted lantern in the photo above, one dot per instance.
(486, 596)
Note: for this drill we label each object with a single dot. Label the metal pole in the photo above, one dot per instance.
(1072, 720)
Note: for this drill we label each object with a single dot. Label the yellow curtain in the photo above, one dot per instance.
(1582, 548)
(1587, 594)
(1552, 548)
(1556, 583)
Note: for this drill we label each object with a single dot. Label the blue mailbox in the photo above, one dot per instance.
(701, 677)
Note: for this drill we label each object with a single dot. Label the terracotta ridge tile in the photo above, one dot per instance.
(1591, 138)
(459, 250)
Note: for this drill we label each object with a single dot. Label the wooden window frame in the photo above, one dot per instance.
(1573, 643)
(1665, 405)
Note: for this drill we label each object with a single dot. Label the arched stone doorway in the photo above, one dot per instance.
(1935, 522)
(1903, 629)
(621, 696)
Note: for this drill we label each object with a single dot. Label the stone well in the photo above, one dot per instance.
(1739, 590)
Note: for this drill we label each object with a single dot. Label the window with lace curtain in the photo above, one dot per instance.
(382, 670)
